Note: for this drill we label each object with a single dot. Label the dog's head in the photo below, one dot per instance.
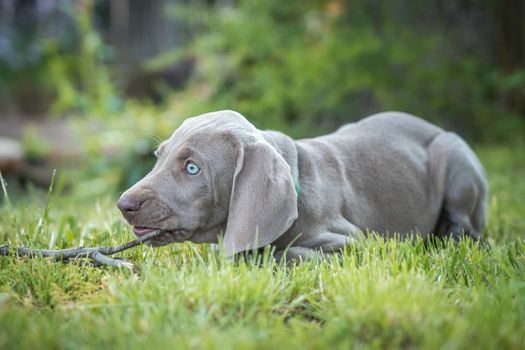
(215, 173)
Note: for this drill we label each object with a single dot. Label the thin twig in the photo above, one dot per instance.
(97, 254)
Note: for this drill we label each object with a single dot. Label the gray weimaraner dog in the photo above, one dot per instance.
(389, 173)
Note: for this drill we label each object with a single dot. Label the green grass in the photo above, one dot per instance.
(387, 294)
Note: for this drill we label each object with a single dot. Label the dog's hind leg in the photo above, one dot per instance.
(459, 184)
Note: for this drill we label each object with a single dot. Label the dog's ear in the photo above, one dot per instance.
(263, 203)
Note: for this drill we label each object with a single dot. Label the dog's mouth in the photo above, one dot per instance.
(176, 234)
(140, 231)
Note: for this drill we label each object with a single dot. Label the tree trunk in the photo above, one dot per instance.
(510, 19)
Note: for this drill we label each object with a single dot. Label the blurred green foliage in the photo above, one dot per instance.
(311, 65)
(303, 67)
(35, 147)
(81, 79)
(55, 68)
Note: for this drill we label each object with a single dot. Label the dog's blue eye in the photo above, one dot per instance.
(192, 168)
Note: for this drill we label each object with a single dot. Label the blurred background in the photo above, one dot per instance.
(90, 87)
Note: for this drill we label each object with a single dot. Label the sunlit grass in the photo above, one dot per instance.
(385, 294)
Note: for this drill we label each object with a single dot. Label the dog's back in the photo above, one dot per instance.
(394, 179)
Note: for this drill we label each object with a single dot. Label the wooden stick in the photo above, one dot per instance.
(97, 254)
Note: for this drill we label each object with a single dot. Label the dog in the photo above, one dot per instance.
(391, 173)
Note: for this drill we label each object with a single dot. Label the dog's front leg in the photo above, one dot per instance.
(294, 255)
(318, 246)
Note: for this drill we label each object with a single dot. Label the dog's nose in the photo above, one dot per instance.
(128, 204)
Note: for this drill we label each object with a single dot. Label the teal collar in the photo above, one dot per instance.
(297, 186)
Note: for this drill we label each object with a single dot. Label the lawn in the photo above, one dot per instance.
(387, 294)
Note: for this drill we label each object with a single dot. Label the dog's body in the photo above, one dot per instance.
(389, 173)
